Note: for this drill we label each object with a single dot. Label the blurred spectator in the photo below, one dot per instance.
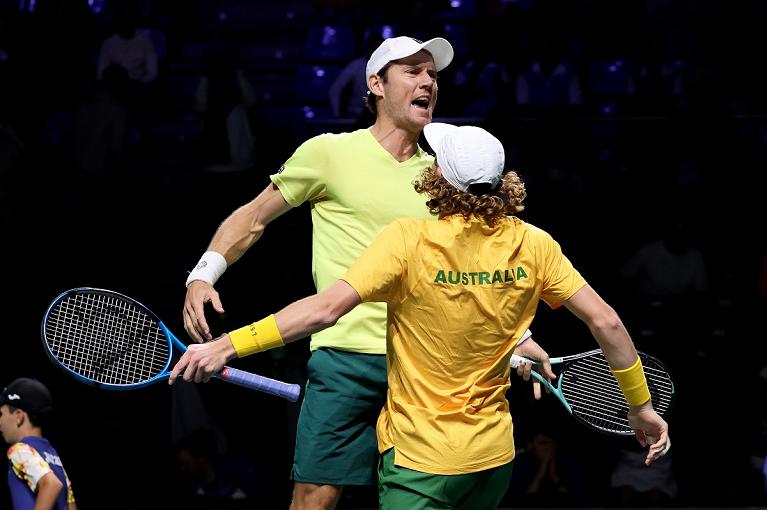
(350, 87)
(102, 125)
(668, 267)
(130, 49)
(669, 285)
(209, 479)
(224, 99)
(642, 486)
(545, 475)
(483, 80)
(548, 80)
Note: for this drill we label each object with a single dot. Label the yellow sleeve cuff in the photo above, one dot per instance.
(632, 382)
(259, 336)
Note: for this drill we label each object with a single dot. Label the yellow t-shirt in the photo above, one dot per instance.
(460, 294)
(356, 188)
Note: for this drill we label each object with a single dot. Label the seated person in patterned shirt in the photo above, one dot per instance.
(36, 475)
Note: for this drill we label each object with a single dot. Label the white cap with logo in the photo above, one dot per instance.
(396, 48)
(466, 154)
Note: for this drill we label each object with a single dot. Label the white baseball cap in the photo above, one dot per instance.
(396, 48)
(466, 154)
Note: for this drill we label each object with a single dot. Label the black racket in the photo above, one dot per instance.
(589, 391)
(114, 342)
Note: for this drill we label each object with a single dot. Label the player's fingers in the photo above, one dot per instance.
(657, 448)
(536, 389)
(641, 436)
(546, 370)
(523, 370)
(199, 375)
(201, 325)
(189, 326)
(190, 370)
(206, 370)
(190, 373)
(661, 446)
(177, 369)
(216, 302)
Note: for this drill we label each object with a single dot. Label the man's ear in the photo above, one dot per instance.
(20, 417)
(375, 84)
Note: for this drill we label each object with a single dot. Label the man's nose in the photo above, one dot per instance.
(427, 81)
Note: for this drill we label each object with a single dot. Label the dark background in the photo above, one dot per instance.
(670, 128)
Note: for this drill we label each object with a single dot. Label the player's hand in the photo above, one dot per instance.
(197, 294)
(200, 362)
(651, 430)
(530, 349)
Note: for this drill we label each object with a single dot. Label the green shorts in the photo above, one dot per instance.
(400, 487)
(336, 436)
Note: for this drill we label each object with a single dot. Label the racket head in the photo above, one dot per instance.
(596, 400)
(106, 339)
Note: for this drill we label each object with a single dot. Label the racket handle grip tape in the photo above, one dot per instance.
(261, 383)
(517, 360)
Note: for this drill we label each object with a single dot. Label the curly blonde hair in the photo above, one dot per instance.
(492, 207)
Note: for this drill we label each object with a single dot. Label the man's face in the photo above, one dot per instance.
(8, 428)
(410, 91)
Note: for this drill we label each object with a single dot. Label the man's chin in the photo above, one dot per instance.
(422, 119)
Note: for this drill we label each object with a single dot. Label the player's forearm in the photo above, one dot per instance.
(623, 359)
(605, 326)
(246, 225)
(297, 320)
(614, 341)
(304, 317)
(318, 312)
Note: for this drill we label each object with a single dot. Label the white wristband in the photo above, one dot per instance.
(209, 269)
(527, 334)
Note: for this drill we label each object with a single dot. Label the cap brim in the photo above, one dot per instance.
(434, 132)
(441, 51)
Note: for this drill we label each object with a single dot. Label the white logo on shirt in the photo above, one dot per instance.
(53, 459)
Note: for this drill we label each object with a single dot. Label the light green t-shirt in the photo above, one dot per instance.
(355, 188)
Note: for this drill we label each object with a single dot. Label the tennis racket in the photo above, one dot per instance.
(589, 391)
(114, 342)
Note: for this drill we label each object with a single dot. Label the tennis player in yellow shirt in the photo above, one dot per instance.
(460, 293)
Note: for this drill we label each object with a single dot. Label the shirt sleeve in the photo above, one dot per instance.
(378, 271)
(70, 492)
(27, 464)
(560, 279)
(304, 175)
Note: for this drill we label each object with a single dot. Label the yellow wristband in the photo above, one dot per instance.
(259, 336)
(633, 383)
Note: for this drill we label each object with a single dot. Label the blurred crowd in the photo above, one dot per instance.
(639, 129)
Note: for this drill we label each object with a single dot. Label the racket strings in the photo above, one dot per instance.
(106, 339)
(594, 395)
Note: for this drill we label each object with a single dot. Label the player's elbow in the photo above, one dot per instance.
(606, 321)
(325, 317)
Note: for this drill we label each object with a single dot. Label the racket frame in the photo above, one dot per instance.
(232, 375)
(557, 390)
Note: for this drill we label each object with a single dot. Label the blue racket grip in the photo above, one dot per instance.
(260, 383)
